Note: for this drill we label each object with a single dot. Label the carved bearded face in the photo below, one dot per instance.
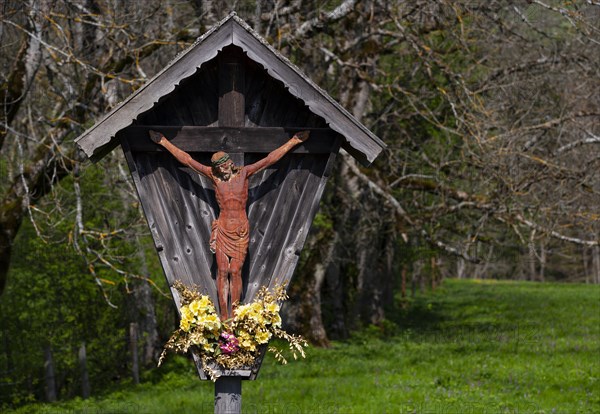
(223, 167)
(225, 170)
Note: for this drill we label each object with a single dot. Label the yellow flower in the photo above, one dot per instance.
(186, 313)
(276, 321)
(201, 306)
(272, 307)
(195, 307)
(205, 302)
(243, 335)
(186, 318)
(256, 307)
(258, 318)
(198, 339)
(263, 336)
(211, 323)
(242, 311)
(254, 324)
(248, 345)
(184, 325)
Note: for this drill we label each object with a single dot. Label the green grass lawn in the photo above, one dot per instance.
(468, 347)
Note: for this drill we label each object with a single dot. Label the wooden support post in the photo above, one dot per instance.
(228, 395)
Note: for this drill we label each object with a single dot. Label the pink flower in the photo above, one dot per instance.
(229, 343)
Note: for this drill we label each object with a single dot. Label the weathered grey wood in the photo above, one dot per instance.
(256, 84)
(243, 373)
(172, 239)
(228, 395)
(269, 216)
(231, 88)
(183, 206)
(359, 141)
(295, 241)
(229, 139)
(193, 102)
(282, 222)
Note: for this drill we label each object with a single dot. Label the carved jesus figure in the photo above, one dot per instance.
(230, 231)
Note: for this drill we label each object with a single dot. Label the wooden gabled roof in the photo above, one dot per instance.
(100, 139)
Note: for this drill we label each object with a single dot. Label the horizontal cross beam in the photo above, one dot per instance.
(230, 139)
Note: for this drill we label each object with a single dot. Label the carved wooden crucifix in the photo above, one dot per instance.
(230, 231)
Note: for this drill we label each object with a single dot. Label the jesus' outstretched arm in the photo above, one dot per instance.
(277, 154)
(181, 156)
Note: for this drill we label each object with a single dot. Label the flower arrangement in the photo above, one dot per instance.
(234, 343)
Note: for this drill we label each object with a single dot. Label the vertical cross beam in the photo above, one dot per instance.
(232, 102)
(232, 113)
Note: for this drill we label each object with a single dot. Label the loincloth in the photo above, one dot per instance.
(234, 243)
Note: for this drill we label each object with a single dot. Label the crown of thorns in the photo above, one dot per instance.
(220, 161)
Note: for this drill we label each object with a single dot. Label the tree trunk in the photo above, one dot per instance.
(50, 376)
(85, 379)
(133, 350)
(12, 94)
(596, 261)
(147, 321)
(403, 273)
(335, 298)
(376, 276)
(587, 272)
(303, 312)
(141, 302)
(26, 65)
(313, 300)
(542, 273)
(434, 272)
(532, 258)
(145, 313)
(461, 265)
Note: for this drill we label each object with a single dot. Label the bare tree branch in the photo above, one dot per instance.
(593, 139)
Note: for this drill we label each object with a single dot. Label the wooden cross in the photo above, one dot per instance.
(233, 136)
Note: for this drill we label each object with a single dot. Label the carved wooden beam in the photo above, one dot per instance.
(229, 139)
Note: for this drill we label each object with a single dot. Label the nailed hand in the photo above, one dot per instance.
(302, 136)
(156, 136)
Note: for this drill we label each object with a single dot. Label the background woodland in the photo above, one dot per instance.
(490, 110)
